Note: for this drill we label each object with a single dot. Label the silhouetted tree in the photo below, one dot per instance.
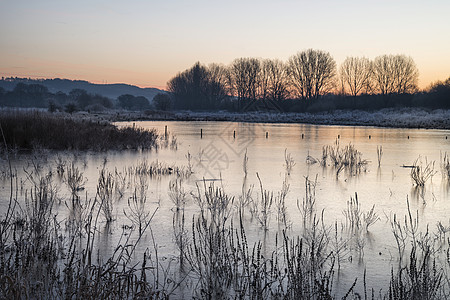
(126, 101)
(102, 100)
(189, 87)
(141, 103)
(312, 73)
(355, 75)
(75, 93)
(217, 83)
(244, 78)
(27, 95)
(83, 101)
(395, 74)
(71, 108)
(277, 79)
(131, 102)
(52, 107)
(197, 87)
(162, 101)
(438, 95)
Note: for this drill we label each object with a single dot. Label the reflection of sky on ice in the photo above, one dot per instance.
(218, 157)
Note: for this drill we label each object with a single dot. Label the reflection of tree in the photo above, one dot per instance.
(312, 73)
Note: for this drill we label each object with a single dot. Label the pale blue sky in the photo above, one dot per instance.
(147, 42)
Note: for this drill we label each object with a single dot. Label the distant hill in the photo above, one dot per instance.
(65, 85)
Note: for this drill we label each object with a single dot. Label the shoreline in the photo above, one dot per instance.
(410, 118)
(405, 118)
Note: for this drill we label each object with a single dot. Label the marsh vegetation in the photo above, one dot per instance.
(142, 225)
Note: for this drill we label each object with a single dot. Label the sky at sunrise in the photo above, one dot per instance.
(145, 43)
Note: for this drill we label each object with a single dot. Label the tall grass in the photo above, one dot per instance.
(347, 158)
(445, 166)
(421, 171)
(27, 130)
(38, 260)
(225, 266)
(289, 162)
(44, 257)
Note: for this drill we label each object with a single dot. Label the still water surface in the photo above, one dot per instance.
(217, 150)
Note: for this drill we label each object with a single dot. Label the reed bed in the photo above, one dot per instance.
(28, 130)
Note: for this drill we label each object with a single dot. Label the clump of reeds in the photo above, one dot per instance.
(307, 207)
(75, 180)
(177, 194)
(105, 192)
(347, 158)
(422, 171)
(262, 207)
(356, 219)
(138, 212)
(420, 279)
(280, 203)
(33, 129)
(289, 162)
(157, 168)
(39, 261)
(224, 265)
(214, 203)
(445, 166)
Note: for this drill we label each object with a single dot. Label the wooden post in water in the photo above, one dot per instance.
(165, 131)
(201, 133)
(303, 136)
(234, 134)
(267, 134)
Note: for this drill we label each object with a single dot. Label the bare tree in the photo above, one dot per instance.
(243, 78)
(217, 78)
(312, 73)
(355, 75)
(263, 79)
(395, 74)
(277, 79)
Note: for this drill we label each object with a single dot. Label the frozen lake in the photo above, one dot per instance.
(215, 153)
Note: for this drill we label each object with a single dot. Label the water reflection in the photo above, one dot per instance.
(250, 166)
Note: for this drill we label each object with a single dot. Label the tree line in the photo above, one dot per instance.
(303, 81)
(37, 95)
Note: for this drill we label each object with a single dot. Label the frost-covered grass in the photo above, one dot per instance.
(27, 130)
(399, 118)
(44, 257)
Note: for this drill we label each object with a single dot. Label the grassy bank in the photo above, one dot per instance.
(27, 130)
